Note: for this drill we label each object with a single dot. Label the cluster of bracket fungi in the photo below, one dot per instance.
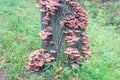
(38, 58)
(49, 7)
(74, 32)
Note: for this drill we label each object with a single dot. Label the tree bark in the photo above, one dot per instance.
(56, 30)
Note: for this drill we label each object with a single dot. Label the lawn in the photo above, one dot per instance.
(19, 28)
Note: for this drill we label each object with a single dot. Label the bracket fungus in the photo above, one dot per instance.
(74, 32)
(46, 33)
(38, 58)
(85, 45)
(49, 6)
(74, 55)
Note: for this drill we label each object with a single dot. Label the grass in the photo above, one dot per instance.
(19, 28)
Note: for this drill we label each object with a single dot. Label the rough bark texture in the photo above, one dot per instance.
(56, 30)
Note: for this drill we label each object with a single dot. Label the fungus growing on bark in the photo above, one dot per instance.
(73, 30)
(85, 45)
(74, 25)
(74, 54)
(78, 19)
(71, 38)
(46, 20)
(53, 51)
(37, 59)
(46, 33)
(49, 6)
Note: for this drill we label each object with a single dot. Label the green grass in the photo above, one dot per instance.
(19, 28)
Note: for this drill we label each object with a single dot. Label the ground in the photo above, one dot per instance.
(3, 75)
(19, 28)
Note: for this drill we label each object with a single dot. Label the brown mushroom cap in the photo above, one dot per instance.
(49, 59)
(52, 51)
(46, 33)
(47, 55)
(84, 48)
(62, 24)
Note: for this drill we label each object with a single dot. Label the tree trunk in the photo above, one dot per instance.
(54, 33)
(56, 30)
